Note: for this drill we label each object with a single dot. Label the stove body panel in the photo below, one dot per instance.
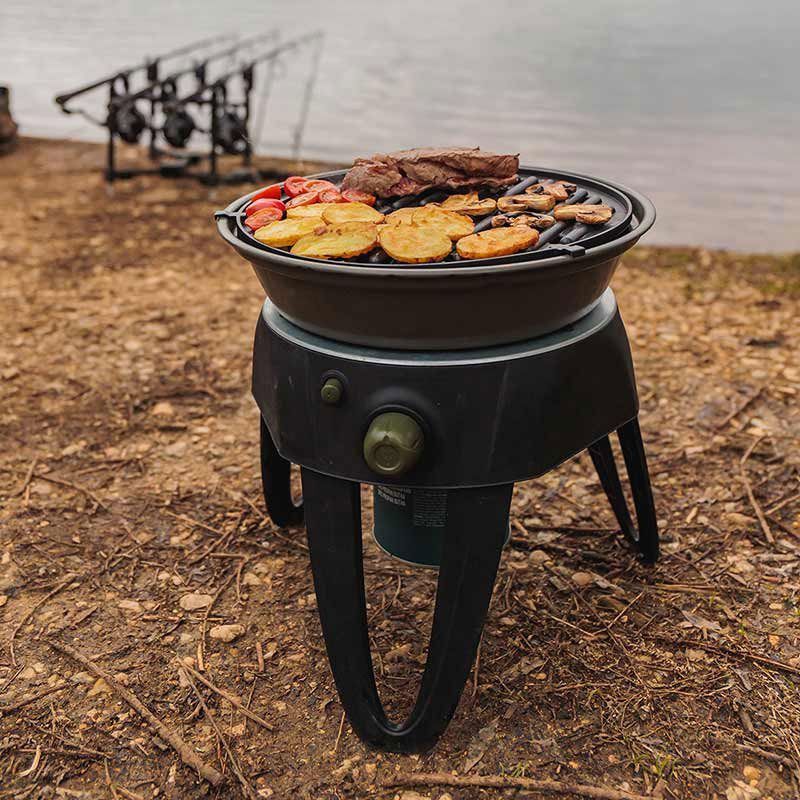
(489, 416)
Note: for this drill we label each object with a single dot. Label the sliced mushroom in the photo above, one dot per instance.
(561, 190)
(468, 204)
(539, 221)
(526, 202)
(585, 213)
(599, 216)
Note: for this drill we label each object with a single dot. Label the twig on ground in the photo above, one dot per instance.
(246, 787)
(260, 656)
(191, 521)
(186, 753)
(476, 668)
(782, 504)
(74, 486)
(510, 782)
(109, 782)
(762, 520)
(273, 531)
(32, 610)
(34, 764)
(201, 645)
(741, 407)
(25, 701)
(339, 734)
(768, 754)
(729, 651)
(232, 699)
(27, 481)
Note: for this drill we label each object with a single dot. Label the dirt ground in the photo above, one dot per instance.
(132, 526)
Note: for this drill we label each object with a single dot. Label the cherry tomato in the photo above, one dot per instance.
(318, 186)
(264, 202)
(304, 199)
(356, 196)
(273, 191)
(261, 218)
(331, 196)
(294, 185)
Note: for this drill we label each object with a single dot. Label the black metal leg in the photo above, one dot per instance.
(474, 535)
(275, 479)
(645, 533)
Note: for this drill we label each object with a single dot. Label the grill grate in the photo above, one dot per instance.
(566, 237)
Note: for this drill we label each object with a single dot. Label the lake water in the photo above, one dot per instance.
(695, 103)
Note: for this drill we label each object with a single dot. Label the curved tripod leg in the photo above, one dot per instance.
(645, 533)
(474, 535)
(275, 479)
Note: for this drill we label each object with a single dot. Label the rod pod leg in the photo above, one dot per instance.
(644, 534)
(275, 480)
(473, 540)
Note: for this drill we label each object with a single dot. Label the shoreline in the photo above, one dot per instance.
(91, 155)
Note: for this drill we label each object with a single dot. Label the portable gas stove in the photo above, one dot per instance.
(442, 409)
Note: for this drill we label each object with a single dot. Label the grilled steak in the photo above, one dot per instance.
(413, 171)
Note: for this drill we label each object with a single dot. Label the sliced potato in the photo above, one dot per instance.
(454, 225)
(310, 210)
(468, 204)
(415, 244)
(400, 217)
(497, 242)
(345, 240)
(351, 212)
(285, 232)
(586, 213)
(526, 202)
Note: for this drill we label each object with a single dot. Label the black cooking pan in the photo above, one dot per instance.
(457, 303)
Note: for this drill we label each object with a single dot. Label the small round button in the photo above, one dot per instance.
(393, 443)
(332, 391)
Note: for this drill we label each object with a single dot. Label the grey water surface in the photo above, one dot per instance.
(694, 102)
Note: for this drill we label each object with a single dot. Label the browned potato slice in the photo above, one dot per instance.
(285, 232)
(497, 242)
(415, 244)
(351, 212)
(400, 217)
(539, 221)
(454, 225)
(526, 202)
(468, 204)
(585, 213)
(311, 210)
(345, 240)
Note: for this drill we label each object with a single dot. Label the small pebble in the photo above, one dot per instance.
(191, 602)
(226, 633)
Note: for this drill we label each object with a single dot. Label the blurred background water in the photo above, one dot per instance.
(697, 104)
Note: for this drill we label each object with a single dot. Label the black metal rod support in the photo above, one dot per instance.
(474, 536)
(276, 482)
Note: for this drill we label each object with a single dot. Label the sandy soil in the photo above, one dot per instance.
(129, 484)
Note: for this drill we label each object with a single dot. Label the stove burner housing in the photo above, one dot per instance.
(457, 428)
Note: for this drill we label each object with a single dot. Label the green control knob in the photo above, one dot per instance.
(393, 443)
(332, 391)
